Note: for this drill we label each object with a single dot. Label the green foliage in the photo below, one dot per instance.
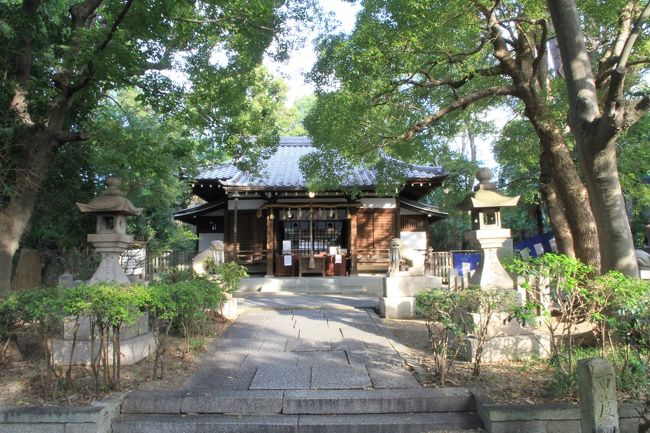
(230, 273)
(290, 119)
(453, 315)
(563, 293)
(440, 309)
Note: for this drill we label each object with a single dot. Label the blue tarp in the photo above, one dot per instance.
(543, 243)
(459, 258)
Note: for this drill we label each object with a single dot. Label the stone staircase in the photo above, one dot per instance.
(365, 285)
(414, 410)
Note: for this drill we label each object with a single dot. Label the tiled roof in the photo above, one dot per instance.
(283, 170)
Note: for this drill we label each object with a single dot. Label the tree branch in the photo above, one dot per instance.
(221, 20)
(459, 103)
(67, 136)
(617, 82)
(454, 84)
(109, 37)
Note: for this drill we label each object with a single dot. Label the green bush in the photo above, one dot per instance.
(564, 293)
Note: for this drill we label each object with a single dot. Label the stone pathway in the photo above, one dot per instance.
(303, 349)
(302, 364)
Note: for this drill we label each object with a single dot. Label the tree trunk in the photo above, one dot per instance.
(556, 163)
(614, 233)
(557, 218)
(595, 136)
(15, 218)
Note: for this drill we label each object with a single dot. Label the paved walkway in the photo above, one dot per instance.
(291, 348)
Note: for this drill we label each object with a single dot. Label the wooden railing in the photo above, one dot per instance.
(438, 264)
(168, 261)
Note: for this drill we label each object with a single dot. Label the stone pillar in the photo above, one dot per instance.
(598, 402)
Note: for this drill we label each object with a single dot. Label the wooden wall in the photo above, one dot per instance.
(251, 230)
(375, 228)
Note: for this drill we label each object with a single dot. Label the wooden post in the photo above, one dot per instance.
(353, 241)
(234, 227)
(598, 402)
(270, 242)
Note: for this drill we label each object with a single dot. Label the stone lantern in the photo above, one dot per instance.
(110, 239)
(484, 205)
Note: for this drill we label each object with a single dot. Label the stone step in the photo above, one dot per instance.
(457, 422)
(301, 402)
(236, 402)
(380, 401)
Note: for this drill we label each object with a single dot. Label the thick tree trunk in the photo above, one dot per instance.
(614, 233)
(595, 136)
(555, 209)
(556, 162)
(15, 218)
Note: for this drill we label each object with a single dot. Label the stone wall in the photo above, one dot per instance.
(543, 418)
(96, 418)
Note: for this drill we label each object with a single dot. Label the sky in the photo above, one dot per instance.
(302, 60)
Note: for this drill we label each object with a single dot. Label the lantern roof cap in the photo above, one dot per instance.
(112, 200)
(485, 194)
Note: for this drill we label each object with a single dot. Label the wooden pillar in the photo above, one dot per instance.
(226, 232)
(398, 222)
(234, 227)
(353, 241)
(270, 242)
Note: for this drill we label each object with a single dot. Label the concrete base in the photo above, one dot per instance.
(401, 307)
(132, 350)
(511, 347)
(396, 286)
(136, 342)
(399, 293)
(228, 309)
(140, 327)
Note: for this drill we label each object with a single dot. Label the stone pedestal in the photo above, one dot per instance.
(509, 341)
(111, 247)
(398, 300)
(490, 272)
(136, 343)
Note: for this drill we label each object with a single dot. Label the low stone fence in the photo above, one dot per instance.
(96, 418)
(544, 418)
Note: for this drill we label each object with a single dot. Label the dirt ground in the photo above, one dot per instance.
(512, 382)
(21, 384)
(520, 382)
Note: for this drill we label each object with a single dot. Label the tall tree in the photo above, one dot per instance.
(411, 67)
(596, 123)
(60, 58)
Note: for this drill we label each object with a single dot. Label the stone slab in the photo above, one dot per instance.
(28, 270)
(293, 377)
(388, 423)
(388, 377)
(207, 423)
(300, 345)
(512, 347)
(401, 286)
(337, 402)
(212, 378)
(339, 377)
(132, 350)
(234, 402)
(402, 307)
(270, 359)
(331, 358)
(162, 402)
